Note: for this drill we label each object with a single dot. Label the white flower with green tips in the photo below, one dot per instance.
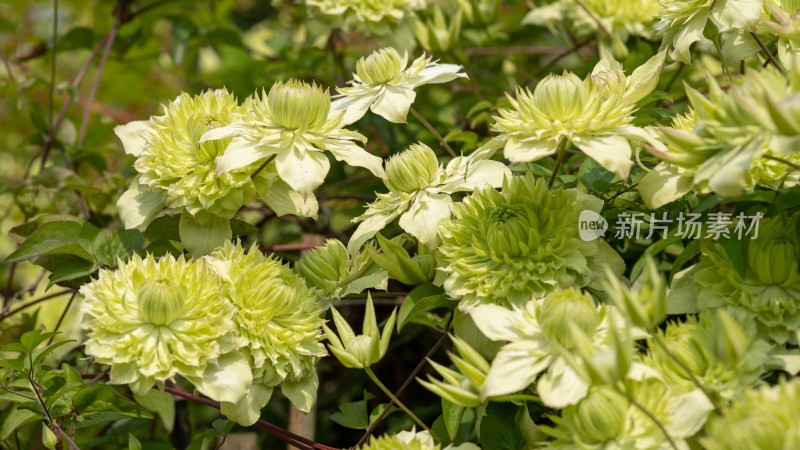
(593, 114)
(420, 190)
(151, 320)
(540, 338)
(385, 83)
(296, 125)
(278, 330)
(360, 351)
(411, 440)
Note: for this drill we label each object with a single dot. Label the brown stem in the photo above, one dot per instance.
(29, 304)
(288, 247)
(63, 314)
(596, 20)
(766, 50)
(403, 387)
(432, 130)
(7, 291)
(562, 147)
(262, 166)
(97, 75)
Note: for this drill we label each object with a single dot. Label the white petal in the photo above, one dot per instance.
(423, 218)
(644, 78)
(242, 152)
(497, 323)
(514, 368)
(688, 412)
(283, 200)
(138, 205)
(354, 155)
(228, 380)
(561, 385)
(517, 150)
(665, 184)
(368, 228)
(132, 135)
(354, 107)
(303, 171)
(303, 394)
(690, 33)
(611, 151)
(393, 104)
(437, 73)
(228, 131)
(475, 174)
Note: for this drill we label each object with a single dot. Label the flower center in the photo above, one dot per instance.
(295, 104)
(412, 170)
(561, 97)
(160, 302)
(380, 66)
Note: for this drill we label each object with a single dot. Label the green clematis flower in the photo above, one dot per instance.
(411, 440)
(541, 338)
(384, 83)
(767, 289)
(620, 18)
(691, 342)
(151, 320)
(364, 350)
(683, 22)
(334, 274)
(278, 329)
(420, 190)
(728, 141)
(593, 114)
(520, 243)
(766, 418)
(606, 420)
(387, 20)
(295, 124)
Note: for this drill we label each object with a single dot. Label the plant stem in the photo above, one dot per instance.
(432, 130)
(650, 415)
(398, 402)
(262, 166)
(29, 304)
(722, 59)
(766, 50)
(596, 20)
(657, 338)
(515, 397)
(413, 375)
(562, 149)
(785, 161)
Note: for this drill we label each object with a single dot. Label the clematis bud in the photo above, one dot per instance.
(326, 266)
(160, 302)
(380, 66)
(729, 344)
(560, 311)
(597, 418)
(295, 104)
(48, 437)
(364, 350)
(413, 169)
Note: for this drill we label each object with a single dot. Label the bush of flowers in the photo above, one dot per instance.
(405, 224)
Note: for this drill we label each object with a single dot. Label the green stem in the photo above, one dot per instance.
(562, 150)
(686, 369)
(516, 397)
(432, 130)
(785, 161)
(722, 58)
(650, 415)
(397, 402)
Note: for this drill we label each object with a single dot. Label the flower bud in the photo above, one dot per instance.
(159, 301)
(381, 66)
(325, 267)
(413, 169)
(773, 257)
(561, 97)
(399, 264)
(560, 311)
(48, 437)
(729, 343)
(296, 104)
(597, 418)
(364, 350)
(646, 307)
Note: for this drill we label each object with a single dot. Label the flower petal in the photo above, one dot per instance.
(353, 155)
(561, 385)
(611, 151)
(241, 152)
(138, 205)
(526, 150)
(202, 233)
(393, 104)
(423, 218)
(133, 136)
(282, 200)
(354, 107)
(437, 73)
(514, 368)
(303, 171)
(302, 394)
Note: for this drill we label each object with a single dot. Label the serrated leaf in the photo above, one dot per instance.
(101, 403)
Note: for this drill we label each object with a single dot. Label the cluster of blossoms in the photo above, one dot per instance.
(392, 21)
(235, 324)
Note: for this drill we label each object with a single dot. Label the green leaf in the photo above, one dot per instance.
(14, 418)
(163, 228)
(422, 299)
(788, 198)
(32, 339)
(688, 253)
(101, 403)
(78, 37)
(736, 250)
(20, 232)
(499, 429)
(70, 269)
(202, 233)
(595, 177)
(57, 238)
(161, 403)
(378, 410)
(108, 246)
(353, 414)
(241, 228)
(182, 30)
(452, 414)
(42, 353)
